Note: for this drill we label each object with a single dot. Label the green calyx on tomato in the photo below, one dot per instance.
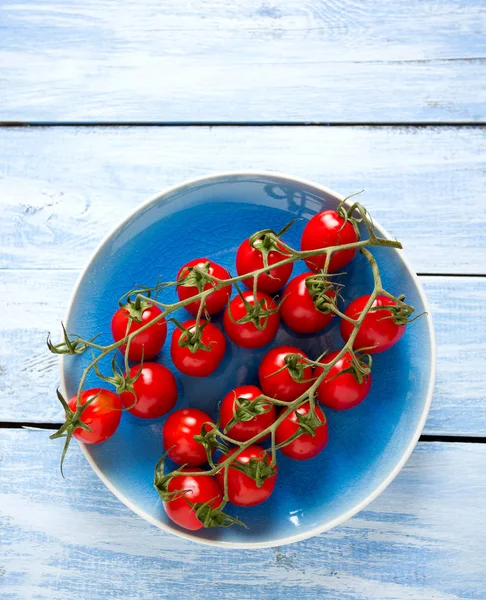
(76, 345)
(196, 277)
(309, 422)
(209, 439)
(72, 422)
(322, 292)
(122, 382)
(360, 367)
(161, 482)
(135, 308)
(256, 313)
(246, 409)
(400, 311)
(213, 517)
(295, 365)
(209, 513)
(267, 240)
(257, 468)
(348, 213)
(192, 338)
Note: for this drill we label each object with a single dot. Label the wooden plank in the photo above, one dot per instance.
(29, 373)
(63, 189)
(317, 60)
(423, 538)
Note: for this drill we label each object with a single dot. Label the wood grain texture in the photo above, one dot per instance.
(63, 189)
(29, 374)
(249, 60)
(423, 538)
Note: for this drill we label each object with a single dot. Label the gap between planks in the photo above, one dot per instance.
(73, 270)
(463, 439)
(273, 123)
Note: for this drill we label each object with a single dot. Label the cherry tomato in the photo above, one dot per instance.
(306, 445)
(243, 431)
(243, 489)
(378, 332)
(282, 385)
(202, 362)
(200, 489)
(327, 229)
(215, 301)
(146, 344)
(102, 415)
(250, 259)
(340, 390)
(155, 391)
(248, 335)
(178, 436)
(298, 309)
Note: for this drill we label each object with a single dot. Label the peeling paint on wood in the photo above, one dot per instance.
(307, 61)
(63, 189)
(423, 538)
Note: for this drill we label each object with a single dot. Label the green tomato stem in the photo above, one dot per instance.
(310, 394)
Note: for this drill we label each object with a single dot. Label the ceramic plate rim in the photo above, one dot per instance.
(322, 527)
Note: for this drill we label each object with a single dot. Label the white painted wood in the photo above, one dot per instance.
(29, 374)
(63, 189)
(423, 538)
(248, 60)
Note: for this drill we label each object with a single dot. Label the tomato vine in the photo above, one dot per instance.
(212, 435)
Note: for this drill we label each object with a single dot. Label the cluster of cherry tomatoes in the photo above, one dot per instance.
(251, 320)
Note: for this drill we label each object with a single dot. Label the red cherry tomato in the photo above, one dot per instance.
(178, 436)
(146, 344)
(155, 391)
(243, 431)
(215, 301)
(250, 259)
(200, 489)
(378, 332)
(102, 415)
(242, 489)
(282, 385)
(298, 310)
(327, 229)
(202, 362)
(306, 445)
(248, 335)
(340, 390)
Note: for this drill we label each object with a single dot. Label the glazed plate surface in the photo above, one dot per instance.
(368, 445)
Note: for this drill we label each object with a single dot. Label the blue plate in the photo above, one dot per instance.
(368, 445)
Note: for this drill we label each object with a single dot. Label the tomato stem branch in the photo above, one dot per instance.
(142, 297)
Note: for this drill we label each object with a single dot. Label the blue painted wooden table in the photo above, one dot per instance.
(104, 103)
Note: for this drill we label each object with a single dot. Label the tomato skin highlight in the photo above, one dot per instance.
(103, 415)
(201, 488)
(341, 392)
(247, 335)
(250, 259)
(202, 362)
(305, 446)
(178, 436)
(155, 391)
(244, 430)
(326, 229)
(281, 385)
(242, 489)
(378, 332)
(145, 345)
(216, 301)
(298, 310)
